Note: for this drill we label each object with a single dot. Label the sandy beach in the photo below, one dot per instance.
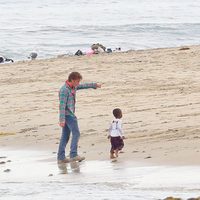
(157, 90)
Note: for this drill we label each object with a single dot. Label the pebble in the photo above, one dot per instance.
(7, 170)
(147, 157)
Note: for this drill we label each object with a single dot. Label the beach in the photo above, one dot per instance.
(157, 90)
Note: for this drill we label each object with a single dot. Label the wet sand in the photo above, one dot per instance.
(34, 174)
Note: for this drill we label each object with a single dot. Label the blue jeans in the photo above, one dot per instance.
(71, 125)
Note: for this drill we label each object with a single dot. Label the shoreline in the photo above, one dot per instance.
(157, 89)
(57, 56)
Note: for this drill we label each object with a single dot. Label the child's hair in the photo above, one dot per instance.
(117, 113)
(74, 76)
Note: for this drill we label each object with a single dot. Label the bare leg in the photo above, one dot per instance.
(112, 155)
(116, 152)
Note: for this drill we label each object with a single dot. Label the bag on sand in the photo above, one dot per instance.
(79, 53)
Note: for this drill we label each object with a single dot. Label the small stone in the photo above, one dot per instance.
(2, 162)
(54, 152)
(184, 48)
(7, 170)
(172, 198)
(92, 144)
(8, 161)
(147, 157)
(135, 151)
(50, 174)
(1, 157)
(198, 198)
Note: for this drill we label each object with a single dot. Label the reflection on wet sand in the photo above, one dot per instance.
(95, 179)
(74, 167)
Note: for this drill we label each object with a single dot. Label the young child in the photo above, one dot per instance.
(116, 134)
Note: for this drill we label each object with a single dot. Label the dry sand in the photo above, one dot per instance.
(158, 91)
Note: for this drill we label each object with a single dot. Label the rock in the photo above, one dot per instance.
(198, 198)
(184, 48)
(1, 157)
(2, 162)
(172, 198)
(50, 174)
(8, 161)
(7, 170)
(147, 157)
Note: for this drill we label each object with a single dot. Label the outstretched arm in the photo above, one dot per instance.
(88, 85)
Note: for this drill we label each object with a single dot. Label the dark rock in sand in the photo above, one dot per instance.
(184, 48)
(172, 198)
(7, 170)
(2, 162)
(3, 157)
(147, 157)
(50, 174)
(198, 198)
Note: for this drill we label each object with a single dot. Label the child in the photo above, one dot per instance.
(116, 134)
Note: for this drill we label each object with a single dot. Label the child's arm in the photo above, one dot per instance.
(88, 85)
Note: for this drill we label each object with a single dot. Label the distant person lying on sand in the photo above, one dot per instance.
(116, 134)
(98, 48)
(68, 120)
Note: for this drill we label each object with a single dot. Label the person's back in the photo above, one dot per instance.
(116, 128)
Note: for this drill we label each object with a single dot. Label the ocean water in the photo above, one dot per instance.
(36, 175)
(51, 27)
